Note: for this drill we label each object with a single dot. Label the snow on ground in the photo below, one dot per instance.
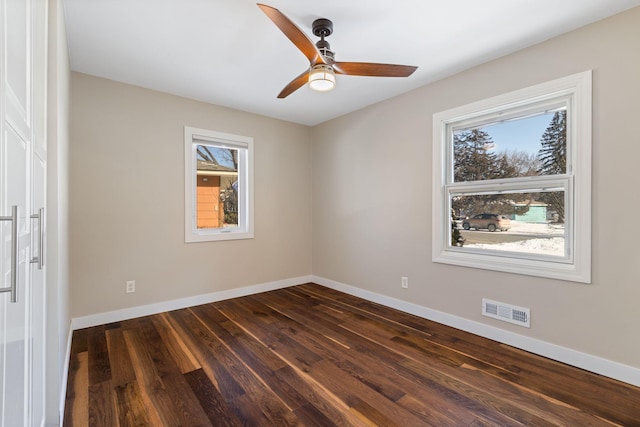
(550, 229)
(544, 246)
(551, 245)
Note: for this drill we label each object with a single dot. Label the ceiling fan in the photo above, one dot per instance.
(322, 71)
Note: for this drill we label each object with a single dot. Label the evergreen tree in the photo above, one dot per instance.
(474, 160)
(456, 237)
(503, 168)
(553, 158)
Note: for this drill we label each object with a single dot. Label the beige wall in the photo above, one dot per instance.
(372, 184)
(125, 137)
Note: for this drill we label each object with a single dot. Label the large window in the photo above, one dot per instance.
(218, 186)
(512, 182)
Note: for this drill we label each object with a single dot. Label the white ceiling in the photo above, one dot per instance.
(227, 52)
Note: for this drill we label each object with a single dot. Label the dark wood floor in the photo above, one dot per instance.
(311, 356)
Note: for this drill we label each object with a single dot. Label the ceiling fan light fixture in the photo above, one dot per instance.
(321, 75)
(322, 78)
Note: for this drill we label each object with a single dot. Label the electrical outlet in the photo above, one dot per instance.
(131, 286)
(404, 282)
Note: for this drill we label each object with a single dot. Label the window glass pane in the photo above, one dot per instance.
(531, 145)
(217, 187)
(530, 223)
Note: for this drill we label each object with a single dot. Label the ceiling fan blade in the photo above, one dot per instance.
(293, 33)
(372, 69)
(295, 84)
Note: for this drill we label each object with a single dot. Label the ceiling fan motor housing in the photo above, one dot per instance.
(323, 28)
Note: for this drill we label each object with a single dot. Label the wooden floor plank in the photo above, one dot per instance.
(353, 393)
(213, 348)
(99, 365)
(258, 358)
(421, 348)
(269, 333)
(76, 410)
(318, 398)
(376, 372)
(130, 406)
(79, 343)
(217, 409)
(534, 372)
(313, 356)
(311, 416)
(161, 382)
(102, 405)
(119, 360)
(179, 351)
(205, 347)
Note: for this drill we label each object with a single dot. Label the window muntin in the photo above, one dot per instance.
(514, 177)
(218, 186)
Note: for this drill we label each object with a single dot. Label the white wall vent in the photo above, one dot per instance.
(506, 312)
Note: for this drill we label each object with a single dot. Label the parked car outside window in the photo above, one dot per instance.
(491, 222)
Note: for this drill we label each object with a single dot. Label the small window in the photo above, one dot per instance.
(218, 186)
(512, 182)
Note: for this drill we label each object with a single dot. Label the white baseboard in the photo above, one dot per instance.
(598, 365)
(146, 310)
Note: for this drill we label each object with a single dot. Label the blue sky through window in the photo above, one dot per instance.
(521, 135)
(222, 155)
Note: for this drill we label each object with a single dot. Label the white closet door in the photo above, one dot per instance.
(22, 190)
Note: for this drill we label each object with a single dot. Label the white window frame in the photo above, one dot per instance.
(575, 91)
(244, 145)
